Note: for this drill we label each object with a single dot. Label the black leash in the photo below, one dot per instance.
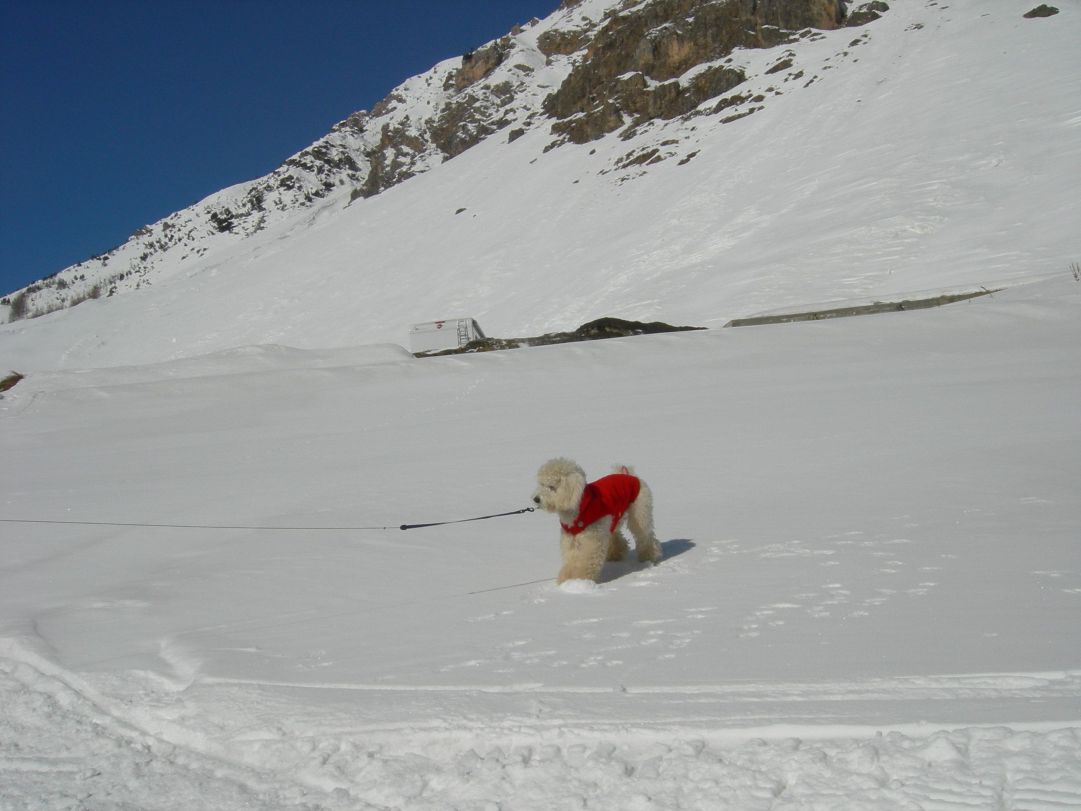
(463, 520)
(254, 528)
(183, 526)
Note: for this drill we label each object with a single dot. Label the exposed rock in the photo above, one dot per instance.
(710, 83)
(458, 128)
(1041, 11)
(466, 117)
(473, 110)
(9, 380)
(674, 98)
(479, 64)
(605, 117)
(868, 12)
(223, 220)
(620, 328)
(388, 161)
(633, 67)
(356, 123)
(794, 15)
(556, 41)
(592, 331)
(387, 105)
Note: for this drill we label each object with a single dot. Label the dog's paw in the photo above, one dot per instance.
(578, 586)
(649, 556)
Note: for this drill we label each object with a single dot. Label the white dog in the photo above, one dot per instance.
(591, 515)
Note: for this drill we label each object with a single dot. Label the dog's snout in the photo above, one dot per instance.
(536, 499)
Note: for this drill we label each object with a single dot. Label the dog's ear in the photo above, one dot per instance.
(571, 488)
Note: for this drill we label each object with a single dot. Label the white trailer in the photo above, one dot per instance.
(438, 336)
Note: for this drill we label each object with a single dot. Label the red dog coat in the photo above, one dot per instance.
(609, 495)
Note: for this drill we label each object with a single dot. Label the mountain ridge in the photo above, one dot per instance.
(900, 159)
(371, 151)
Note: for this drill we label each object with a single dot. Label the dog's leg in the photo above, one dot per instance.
(567, 572)
(640, 523)
(583, 555)
(618, 547)
(567, 554)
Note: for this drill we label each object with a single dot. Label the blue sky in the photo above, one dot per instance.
(115, 113)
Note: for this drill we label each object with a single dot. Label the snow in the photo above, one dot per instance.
(872, 579)
(868, 599)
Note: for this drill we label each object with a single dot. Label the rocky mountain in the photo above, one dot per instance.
(592, 68)
(690, 162)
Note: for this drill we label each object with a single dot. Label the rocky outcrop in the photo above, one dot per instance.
(9, 381)
(465, 123)
(479, 64)
(597, 330)
(634, 100)
(389, 161)
(465, 119)
(637, 66)
(558, 42)
(1041, 10)
(868, 12)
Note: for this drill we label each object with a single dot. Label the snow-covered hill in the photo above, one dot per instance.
(934, 148)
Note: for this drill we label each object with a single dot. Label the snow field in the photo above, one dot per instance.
(867, 600)
(100, 755)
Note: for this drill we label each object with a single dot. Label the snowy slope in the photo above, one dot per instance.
(869, 598)
(933, 149)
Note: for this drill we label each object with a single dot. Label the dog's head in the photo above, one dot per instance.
(560, 483)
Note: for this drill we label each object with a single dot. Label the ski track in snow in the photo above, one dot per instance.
(102, 755)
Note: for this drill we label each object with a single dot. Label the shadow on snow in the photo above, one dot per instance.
(618, 569)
